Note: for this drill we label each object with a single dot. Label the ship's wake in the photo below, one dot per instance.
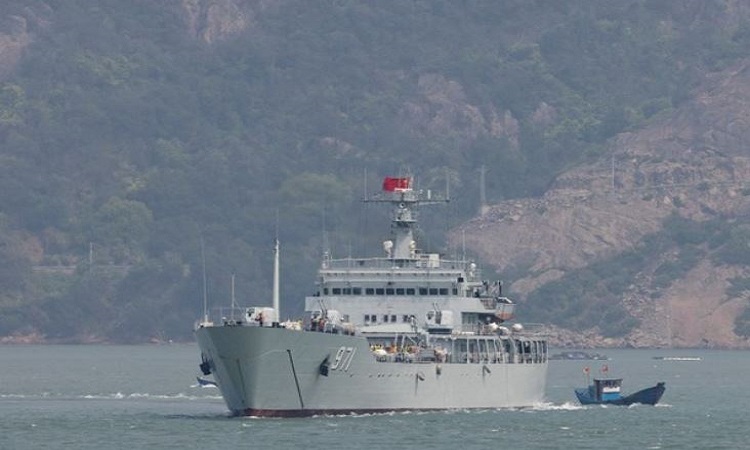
(204, 386)
(548, 406)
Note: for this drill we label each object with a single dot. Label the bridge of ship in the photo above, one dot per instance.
(410, 287)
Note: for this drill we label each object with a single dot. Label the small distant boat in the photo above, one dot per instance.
(204, 382)
(578, 356)
(606, 391)
(678, 358)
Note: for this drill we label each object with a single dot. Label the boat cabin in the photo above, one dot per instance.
(607, 389)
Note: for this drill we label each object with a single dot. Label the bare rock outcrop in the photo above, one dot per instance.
(695, 163)
(12, 43)
(17, 27)
(216, 20)
(442, 108)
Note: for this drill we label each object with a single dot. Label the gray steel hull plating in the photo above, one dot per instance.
(277, 372)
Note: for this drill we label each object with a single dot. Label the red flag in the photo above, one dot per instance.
(395, 184)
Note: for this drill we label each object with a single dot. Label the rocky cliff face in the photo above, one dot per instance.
(441, 107)
(12, 43)
(17, 31)
(215, 20)
(208, 20)
(695, 163)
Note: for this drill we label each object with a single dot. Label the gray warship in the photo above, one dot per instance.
(406, 330)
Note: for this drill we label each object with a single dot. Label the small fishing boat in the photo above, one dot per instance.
(606, 391)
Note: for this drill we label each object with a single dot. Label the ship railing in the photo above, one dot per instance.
(525, 351)
(424, 356)
(420, 262)
(535, 330)
(479, 358)
(428, 356)
(480, 330)
(230, 316)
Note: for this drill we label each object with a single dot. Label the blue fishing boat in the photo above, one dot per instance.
(606, 391)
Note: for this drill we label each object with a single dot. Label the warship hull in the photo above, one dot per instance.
(279, 372)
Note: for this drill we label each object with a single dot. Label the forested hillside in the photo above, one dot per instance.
(140, 138)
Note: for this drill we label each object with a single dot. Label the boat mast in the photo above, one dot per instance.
(276, 283)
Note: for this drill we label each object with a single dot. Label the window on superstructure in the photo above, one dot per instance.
(460, 350)
(422, 291)
(393, 318)
(347, 291)
(433, 291)
(325, 291)
(410, 291)
(389, 291)
(443, 291)
(400, 291)
(379, 291)
(405, 318)
(385, 318)
(369, 291)
(336, 291)
(357, 291)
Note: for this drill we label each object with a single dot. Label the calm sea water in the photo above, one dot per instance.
(116, 397)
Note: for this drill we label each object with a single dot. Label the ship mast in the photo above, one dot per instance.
(275, 321)
(399, 192)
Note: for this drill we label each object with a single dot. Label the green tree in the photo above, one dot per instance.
(122, 227)
(12, 103)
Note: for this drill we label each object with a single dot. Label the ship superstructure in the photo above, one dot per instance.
(402, 331)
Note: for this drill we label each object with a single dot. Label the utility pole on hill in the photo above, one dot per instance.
(482, 193)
